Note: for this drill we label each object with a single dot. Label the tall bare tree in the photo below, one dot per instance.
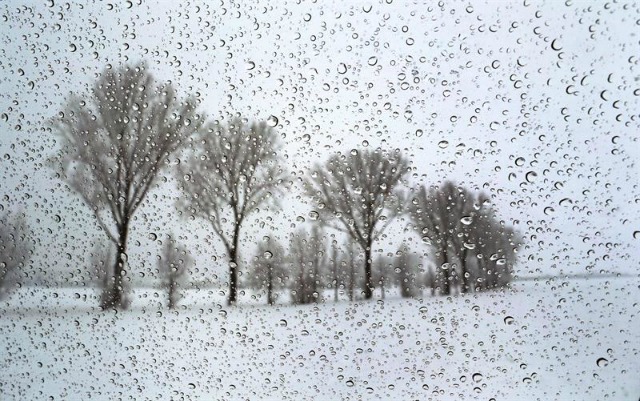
(173, 265)
(15, 250)
(356, 191)
(114, 145)
(236, 170)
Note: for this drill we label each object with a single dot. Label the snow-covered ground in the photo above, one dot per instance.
(548, 340)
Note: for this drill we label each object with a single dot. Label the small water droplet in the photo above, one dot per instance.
(466, 220)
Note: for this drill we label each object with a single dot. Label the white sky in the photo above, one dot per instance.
(482, 95)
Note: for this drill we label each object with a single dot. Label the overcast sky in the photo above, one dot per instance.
(532, 103)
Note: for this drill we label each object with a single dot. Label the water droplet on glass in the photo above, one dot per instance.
(272, 121)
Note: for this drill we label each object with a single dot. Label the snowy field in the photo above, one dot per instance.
(548, 340)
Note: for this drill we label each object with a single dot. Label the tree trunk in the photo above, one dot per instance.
(171, 290)
(270, 285)
(466, 274)
(368, 282)
(315, 294)
(382, 286)
(335, 280)
(233, 267)
(445, 282)
(114, 293)
(352, 278)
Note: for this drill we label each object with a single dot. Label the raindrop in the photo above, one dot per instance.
(530, 176)
(443, 144)
(272, 120)
(508, 320)
(602, 362)
(373, 61)
(342, 68)
(466, 220)
(477, 377)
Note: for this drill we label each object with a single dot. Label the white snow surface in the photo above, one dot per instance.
(538, 341)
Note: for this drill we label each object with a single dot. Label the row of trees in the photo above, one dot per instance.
(114, 147)
(313, 271)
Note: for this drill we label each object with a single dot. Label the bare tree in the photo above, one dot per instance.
(496, 246)
(406, 266)
(235, 171)
(459, 224)
(269, 268)
(357, 191)
(115, 144)
(308, 257)
(382, 272)
(15, 250)
(173, 264)
(441, 217)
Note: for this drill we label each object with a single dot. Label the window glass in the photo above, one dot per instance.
(319, 200)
